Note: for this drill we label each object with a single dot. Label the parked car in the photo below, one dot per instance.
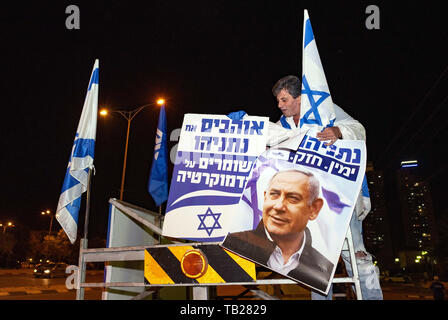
(50, 270)
(399, 277)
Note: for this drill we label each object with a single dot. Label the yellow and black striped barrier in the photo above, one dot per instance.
(190, 264)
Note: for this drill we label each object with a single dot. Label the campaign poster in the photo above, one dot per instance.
(300, 202)
(214, 159)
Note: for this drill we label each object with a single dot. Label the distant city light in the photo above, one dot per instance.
(408, 164)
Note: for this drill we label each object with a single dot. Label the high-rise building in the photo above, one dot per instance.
(376, 225)
(416, 208)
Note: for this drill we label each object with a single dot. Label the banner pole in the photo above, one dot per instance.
(83, 243)
(86, 218)
(159, 223)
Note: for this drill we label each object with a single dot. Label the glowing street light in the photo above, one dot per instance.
(128, 115)
(6, 225)
(48, 213)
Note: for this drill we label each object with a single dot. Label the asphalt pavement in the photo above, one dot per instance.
(21, 284)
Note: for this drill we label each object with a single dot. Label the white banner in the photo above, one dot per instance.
(214, 158)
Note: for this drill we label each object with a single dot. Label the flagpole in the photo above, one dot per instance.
(86, 218)
(83, 241)
(159, 218)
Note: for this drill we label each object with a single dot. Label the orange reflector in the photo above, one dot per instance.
(194, 264)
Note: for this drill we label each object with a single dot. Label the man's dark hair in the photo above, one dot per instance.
(292, 84)
(313, 183)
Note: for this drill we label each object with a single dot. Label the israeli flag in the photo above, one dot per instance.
(80, 161)
(316, 103)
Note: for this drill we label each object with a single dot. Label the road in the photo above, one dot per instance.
(21, 285)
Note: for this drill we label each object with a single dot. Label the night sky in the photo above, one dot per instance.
(206, 57)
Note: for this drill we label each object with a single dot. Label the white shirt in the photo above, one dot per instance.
(276, 261)
(350, 128)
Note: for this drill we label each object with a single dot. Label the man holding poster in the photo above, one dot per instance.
(287, 90)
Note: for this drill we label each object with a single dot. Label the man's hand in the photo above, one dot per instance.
(330, 133)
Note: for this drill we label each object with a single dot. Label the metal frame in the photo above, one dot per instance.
(200, 291)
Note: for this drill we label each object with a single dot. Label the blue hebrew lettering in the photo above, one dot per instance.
(245, 146)
(357, 158)
(332, 150)
(257, 127)
(246, 126)
(302, 143)
(223, 144)
(226, 126)
(208, 140)
(310, 142)
(236, 124)
(347, 152)
(207, 125)
(234, 145)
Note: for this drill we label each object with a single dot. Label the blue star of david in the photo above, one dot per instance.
(314, 104)
(215, 225)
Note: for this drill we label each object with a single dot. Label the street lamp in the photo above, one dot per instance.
(7, 225)
(128, 116)
(48, 212)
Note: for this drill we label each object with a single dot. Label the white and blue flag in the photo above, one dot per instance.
(80, 161)
(316, 104)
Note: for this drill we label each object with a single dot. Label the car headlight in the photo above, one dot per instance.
(35, 270)
(47, 271)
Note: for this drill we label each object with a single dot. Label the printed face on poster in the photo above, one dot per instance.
(301, 203)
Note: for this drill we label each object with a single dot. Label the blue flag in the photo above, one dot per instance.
(158, 178)
(80, 161)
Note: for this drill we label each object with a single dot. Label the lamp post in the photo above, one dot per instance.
(48, 213)
(6, 225)
(128, 116)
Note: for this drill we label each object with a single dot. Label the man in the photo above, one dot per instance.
(287, 90)
(282, 240)
(438, 289)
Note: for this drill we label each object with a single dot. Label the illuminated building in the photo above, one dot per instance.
(376, 225)
(416, 208)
